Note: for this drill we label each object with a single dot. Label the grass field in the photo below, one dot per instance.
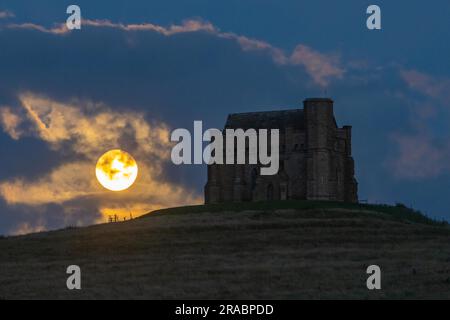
(275, 250)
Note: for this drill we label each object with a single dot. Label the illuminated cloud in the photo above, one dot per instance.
(58, 29)
(26, 227)
(187, 26)
(10, 122)
(88, 130)
(319, 66)
(91, 129)
(76, 180)
(65, 183)
(248, 44)
(61, 29)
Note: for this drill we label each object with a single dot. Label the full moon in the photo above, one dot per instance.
(116, 170)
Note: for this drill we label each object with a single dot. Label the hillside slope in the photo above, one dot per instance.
(291, 251)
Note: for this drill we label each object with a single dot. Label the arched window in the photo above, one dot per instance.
(270, 192)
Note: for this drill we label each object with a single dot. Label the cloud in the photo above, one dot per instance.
(437, 88)
(4, 14)
(61, 29)
(248, 44)
(58, 29)
(187, 26)
(10, 122)
(322, 68)
(76, 181)
(418, 156)
(319, 66)
(26, 227)
(423, 151)
(86, 130)
(67, 182)
(90, 128)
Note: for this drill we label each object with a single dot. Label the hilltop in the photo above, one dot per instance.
(270, 250)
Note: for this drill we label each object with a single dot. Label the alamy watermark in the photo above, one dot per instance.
(74, 20)
(374, 20)
(236, 149)
(74, 280)
(374, 280)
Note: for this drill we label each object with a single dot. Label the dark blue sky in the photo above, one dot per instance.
(200, 60)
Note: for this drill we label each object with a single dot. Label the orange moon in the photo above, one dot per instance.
(116, 170)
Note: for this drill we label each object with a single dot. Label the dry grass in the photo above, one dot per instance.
(253, 254)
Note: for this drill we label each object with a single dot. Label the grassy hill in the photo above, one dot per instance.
(271, 250)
